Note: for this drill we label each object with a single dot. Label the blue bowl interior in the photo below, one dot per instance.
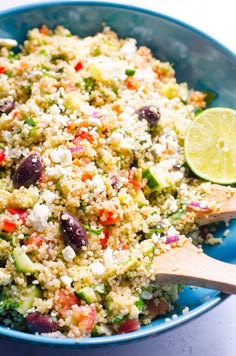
(199, 60)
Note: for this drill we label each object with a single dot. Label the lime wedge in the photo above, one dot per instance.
(210, 145)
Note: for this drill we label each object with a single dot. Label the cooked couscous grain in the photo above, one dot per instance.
(93, 183)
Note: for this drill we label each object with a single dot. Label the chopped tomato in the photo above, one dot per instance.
(155, 309)
(83, 135)
(2, 155)
(131, 84)
(43, 30)
(65, 300)
(104, 240)
(129, 325)
(117, 108)
(2, 70)
(16, 113)
(86, 176)
(35, 240)
(135, 178)
(8, 225)
(84, 316)
(20, 212)
(78, 66)
(108, 217)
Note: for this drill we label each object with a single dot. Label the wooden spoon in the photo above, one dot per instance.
(225, 198)
(189, 265)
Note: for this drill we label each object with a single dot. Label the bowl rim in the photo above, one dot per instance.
(149, 330)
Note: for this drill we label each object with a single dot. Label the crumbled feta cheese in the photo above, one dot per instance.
(108, 257)
(58, 171)
(8, 42)
(68, 254)
(38, 217)
(155, 237)
(204, 204)
(104, 69)
(97, 268)
(66, 280)
(48, 197)
(97, 184)
(172, 231)
(62, 156)
(129, 48)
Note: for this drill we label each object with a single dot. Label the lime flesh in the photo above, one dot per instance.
(210, 145)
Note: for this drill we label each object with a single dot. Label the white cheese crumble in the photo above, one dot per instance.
(97, 184)
(108, 257)
(62, 156)
(58, 171)
(67, 281)
(98, 268)
(38, 217)
(68, 254)
(48, 197)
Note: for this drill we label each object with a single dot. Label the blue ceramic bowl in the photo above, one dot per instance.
(198, 59)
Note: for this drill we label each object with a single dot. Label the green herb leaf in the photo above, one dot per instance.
(89, 84)
(96, 51)
(12, 55)
(93, 231)
(43, 52)
(30, 121)
(139, 304)
(130, 72)
(158, 229)
(118, 320)
(7, 304)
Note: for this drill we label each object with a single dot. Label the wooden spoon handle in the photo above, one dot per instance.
(188, 265)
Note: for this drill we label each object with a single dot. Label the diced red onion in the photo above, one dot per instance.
(197, 205)
(95, 114)
(171, 239)
(76, 149)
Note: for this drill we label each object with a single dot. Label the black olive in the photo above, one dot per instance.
(40, 323)
(6, 106)
(73, 233)
(28, 172)
(149, 113)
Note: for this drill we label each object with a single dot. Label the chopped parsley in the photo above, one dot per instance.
(130, 72)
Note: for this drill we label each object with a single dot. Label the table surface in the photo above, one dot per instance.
(213, 333)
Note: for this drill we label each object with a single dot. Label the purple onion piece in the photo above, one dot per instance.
(194, 205)
(76, 149)
(171, 239)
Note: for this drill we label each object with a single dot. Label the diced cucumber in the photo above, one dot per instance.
(147, 247)
(100, 288)
(87, 294)
(158, 178)
(140, 199)
(22, 262)
(26, 301)
(131, 264)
